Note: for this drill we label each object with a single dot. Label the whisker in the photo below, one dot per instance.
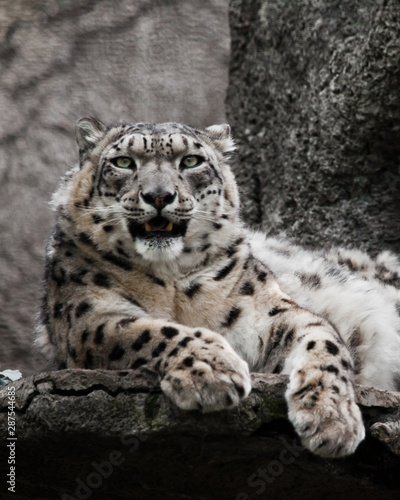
(113, 218)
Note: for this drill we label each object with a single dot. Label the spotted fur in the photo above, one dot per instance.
(150, 267)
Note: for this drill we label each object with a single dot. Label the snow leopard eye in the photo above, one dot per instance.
(123, 162)
(191, 161)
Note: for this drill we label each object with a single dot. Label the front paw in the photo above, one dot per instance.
(328, 422)
(209, 378)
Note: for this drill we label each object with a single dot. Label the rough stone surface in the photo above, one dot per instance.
(314, 100)
(116, 434)
(147, 60)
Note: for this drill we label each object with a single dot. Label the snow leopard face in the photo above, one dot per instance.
(164, 184)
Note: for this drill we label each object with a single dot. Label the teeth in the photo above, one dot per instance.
(168, 227)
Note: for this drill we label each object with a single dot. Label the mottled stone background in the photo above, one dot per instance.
(313, 98)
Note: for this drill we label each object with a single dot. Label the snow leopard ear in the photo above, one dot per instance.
(88, 132)
(221, 137)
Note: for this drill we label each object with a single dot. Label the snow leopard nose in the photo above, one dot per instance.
(158, 200)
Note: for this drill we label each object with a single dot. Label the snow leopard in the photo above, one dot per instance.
(150, 267)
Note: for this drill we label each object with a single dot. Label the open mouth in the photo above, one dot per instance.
(158, 227)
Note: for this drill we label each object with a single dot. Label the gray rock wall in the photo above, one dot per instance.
(314, 100)
(142, 60)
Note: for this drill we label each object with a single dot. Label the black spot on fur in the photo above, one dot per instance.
(126, 321)
(184, 342)
(156, 280)
(133, 301)
(197, 334)
(85, 335)
(72, 352)
(317, 323)
(192, 290)
(277, 336)
(101, 279)
(234, 247)
(331, 369)
(143, 339)
(356, 341)
(386, 276)
(169, 331)
(223, 273)
(345, 364)
(69, 319)
(99, 335)
(57, 273)
(289, 337)
(97, 219)
(188, 361)
(216, 175)
(85, 238)
(138, 363)
(276, 310)
(62, 365)
(78, 277)
(310, 280)
(231, 250)
(232, 317)
(159, 349)
(262, 276)
(331, 347)
(89, 360)
(57, 311)
(122, 252)
(108, 228)
(82, 308)
(310, 345)
(173, 352)
(349, 263)
(247, 288)
(205, 247)
(303, 390)
(117, 353)
(118, 261)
